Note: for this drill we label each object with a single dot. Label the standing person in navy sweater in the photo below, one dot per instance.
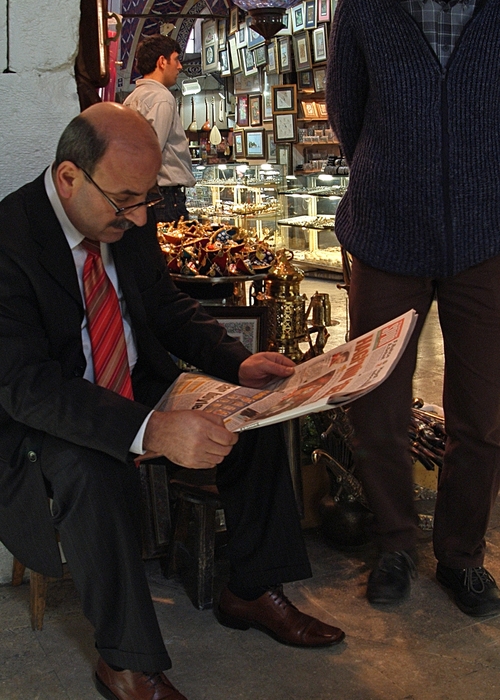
(412, 97)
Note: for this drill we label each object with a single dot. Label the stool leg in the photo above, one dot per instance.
(193, 549)
(38, 596)
(17, 572)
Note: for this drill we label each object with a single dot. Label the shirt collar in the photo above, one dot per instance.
(73, 236)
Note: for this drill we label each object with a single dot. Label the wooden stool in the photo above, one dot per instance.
(38, 592)
(198, 516)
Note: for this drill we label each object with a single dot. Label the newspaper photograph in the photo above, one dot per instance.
(336, 377)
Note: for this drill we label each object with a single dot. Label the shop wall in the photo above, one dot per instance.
(38, 44)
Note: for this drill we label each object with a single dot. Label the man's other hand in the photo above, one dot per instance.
(192, 439)
(260, 369)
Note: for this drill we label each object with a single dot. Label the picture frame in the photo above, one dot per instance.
(234, 56)
(248, 61)
(267, 101)
(324, 7)
(272, 58)
(298, 19)
(234, 20)
(305, 81)
(302, 51)
(319, 79)
(271, 147)
(222, 34)
(255, 145)
(242, 110)
(254, 39)
(284, 156)
(284, 55)
(310, 14)
(321, 110)
(309, 109)
(284, 99)
(239, 144)
(247, 83)
(320, 44)
(287, 22)
(248, 324)
(225, 66)
(260, 55)
(255, 110)
(285, 127)
(241, 36)
(209, 46)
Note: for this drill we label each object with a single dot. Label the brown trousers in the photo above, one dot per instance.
(469, 315)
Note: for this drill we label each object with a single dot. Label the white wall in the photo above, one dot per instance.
(38, 45)
(38, 97)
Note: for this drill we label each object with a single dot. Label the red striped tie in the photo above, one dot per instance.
(109, 350)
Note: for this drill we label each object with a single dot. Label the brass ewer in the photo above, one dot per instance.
(287, 315)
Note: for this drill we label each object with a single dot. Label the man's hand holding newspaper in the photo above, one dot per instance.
(334, 378)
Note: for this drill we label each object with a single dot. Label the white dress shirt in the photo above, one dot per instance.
(74, 238)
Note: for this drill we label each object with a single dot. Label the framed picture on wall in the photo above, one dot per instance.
(248, 61)
(310, 14)
(260, 56)
(284, 156)
(302, 51)
(225, 68)
(298, 19)
(284, 55)
(234, 55)
(242, 110)
(324, 10)
(234, 20)
(271, 147)
(272, 57)
(239, 144)
(246, 323)
(241, 36)
(320, 43)
(254, 143)
(319, 79)
(209, 46)
(305, 81)
(309, 110)
(285, 127)
(284, 98)
(222, 33)
(253, 38)
(255, 110)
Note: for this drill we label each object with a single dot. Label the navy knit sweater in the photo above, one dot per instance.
(422, 142)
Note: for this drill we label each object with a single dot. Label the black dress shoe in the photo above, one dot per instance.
(474, 590)
(390, 580)
(275, 615)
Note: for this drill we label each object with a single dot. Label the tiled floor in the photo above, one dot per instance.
(424, 649)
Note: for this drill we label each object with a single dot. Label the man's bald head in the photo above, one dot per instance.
(102, 126)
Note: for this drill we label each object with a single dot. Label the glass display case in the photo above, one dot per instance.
(307, 228)
(242, 195)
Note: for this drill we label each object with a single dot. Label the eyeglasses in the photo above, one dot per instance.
(154, 197)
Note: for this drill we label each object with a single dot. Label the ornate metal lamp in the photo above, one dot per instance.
(266, 15)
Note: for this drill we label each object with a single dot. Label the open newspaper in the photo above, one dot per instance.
(334, 378)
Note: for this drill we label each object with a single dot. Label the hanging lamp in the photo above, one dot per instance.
(266, 16)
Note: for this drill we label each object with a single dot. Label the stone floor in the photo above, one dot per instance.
(424, 649)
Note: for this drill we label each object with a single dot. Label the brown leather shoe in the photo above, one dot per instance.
(133, 685)
(275, 615)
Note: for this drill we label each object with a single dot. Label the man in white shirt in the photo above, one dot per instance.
(158, 62)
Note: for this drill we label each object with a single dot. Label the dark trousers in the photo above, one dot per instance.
(96, 510)
(469, 314)
(173, 205)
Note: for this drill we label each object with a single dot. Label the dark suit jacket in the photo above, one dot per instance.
(42, 389)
